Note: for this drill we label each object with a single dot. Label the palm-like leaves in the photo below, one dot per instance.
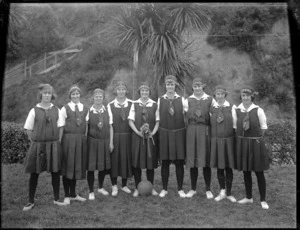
(157, 28)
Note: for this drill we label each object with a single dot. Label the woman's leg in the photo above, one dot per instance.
(33, 181)
(90, 180)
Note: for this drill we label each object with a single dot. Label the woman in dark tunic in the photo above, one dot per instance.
(100, 143)
(42, 125)
(144, 122)
(171, 135)
(222, 142)
(251, 155)
(121, 155)
(75, 117)
(198, 136)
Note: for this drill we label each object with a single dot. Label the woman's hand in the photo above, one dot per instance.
(111, 147)
(139, 133)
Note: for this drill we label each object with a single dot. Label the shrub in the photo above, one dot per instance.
(14, 141)
(281, 142)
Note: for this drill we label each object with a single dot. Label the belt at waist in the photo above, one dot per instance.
(99, 139)
(122, 133)
(174, 130)
(196, 123)
(255, 138)
(45, 142)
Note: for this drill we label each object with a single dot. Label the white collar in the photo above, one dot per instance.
(73, 104)
(225, 104)
(252, 106)
(150, 102)
(204, 96)
(125, 103)
(102, 109)
(165, 96)
(38, 105)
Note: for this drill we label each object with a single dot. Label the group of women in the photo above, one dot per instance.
(126, 136)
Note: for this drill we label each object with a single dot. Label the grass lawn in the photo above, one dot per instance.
(125, 211)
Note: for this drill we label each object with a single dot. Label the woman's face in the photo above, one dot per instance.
(246, 98)
(46, 96)
(121, 91)
(198, 89)
(75, 96)
(98, 99)
(220, 97)
(144, 93)
(170, 87)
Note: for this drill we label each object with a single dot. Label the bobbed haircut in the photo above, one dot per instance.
(45, 88)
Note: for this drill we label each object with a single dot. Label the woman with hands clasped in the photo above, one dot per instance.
(99, 142)
(42, 125)
(144, 122)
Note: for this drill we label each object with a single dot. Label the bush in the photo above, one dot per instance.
(281, 142)
(15, 143)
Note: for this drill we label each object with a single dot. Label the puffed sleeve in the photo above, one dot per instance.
(157, 110)
(262, 118)
(185, 104)
(29, 123)
(131, 115)
(64, 116)
(60, 122)
(110, 114)
(234, 117)
(87, 116)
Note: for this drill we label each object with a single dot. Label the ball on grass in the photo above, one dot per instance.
(145, 188)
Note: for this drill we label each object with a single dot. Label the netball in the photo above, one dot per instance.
(145, 188)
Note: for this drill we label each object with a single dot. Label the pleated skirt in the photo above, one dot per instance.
(144, 153)
(74, 156)
(198, 146)
(121, 157)
(98, 155)
(172, 144)
(251, 155)
(222, 153)
(43, 156)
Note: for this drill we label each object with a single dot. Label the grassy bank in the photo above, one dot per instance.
(124, 211)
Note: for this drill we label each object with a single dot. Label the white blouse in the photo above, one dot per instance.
(260, 113)
(29, 123)
(117, 104)
(149, 103)
(72, 107)
(165, 96)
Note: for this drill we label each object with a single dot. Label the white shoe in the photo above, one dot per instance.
(221, 196)
(245, 201)
(28, 206)
(231, 198)
(154, 193)
(78, 198)
(209, 195)
(136, 193)
(103, 191)
(92, 196)
(191, 193)
(59, 203)
(114, 190)
(67, 200)
(181, 194)
(264, 205)
(126, 189)
(163, 193)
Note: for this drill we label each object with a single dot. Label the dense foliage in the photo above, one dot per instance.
(240, 27)
(14, 143)
(281, 142)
